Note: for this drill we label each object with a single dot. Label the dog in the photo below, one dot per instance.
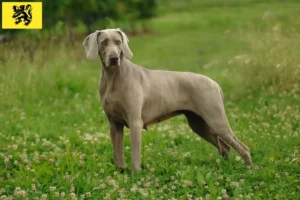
(136, 97)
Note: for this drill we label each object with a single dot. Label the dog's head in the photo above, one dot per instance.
(109, 44)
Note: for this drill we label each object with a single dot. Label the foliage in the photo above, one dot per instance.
(91, 11)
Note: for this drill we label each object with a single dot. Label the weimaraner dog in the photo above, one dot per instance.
(136, 97)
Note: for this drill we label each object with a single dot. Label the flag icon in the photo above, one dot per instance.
(22, 15)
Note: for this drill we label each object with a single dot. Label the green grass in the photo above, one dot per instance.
(54, 138)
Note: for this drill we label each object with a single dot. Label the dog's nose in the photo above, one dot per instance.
(113, 58)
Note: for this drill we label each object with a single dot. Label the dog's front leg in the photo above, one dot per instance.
(117, 138)
(136, 143)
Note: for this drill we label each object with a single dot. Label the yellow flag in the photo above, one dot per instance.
(22, 15)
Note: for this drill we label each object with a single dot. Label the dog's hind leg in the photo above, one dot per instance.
(213, 113)
(230, 138)
(200, 127)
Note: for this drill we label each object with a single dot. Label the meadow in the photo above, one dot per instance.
(54, 137)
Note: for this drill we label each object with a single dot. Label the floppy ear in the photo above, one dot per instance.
(126, 50)
(90, 44)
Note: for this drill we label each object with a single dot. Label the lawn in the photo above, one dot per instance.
(54, 138)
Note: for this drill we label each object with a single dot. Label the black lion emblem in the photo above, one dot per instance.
(22, 12)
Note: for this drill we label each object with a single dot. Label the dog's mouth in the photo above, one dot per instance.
(114, 63)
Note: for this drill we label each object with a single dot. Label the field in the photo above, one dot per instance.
(54, 139)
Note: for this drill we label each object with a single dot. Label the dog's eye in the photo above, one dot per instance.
(104, 43)
(118, 42)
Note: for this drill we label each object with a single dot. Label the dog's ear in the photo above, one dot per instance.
(90, 44)
(126, 50)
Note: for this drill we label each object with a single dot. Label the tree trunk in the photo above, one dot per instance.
(70, 34)
(133, 27)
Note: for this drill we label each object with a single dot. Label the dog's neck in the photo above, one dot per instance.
(112, 75)
(112, 72)
(109, 72)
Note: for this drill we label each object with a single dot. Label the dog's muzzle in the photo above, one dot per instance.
(113, 59)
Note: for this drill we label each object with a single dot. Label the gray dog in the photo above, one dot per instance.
(136, 97)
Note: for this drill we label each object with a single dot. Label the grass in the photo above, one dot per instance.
(54, 140)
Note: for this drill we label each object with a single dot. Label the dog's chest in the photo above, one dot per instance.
(113, 107)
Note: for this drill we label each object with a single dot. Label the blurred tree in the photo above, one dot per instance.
(60, 16)
(147, 10)
(90, 11)
(137, 10)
